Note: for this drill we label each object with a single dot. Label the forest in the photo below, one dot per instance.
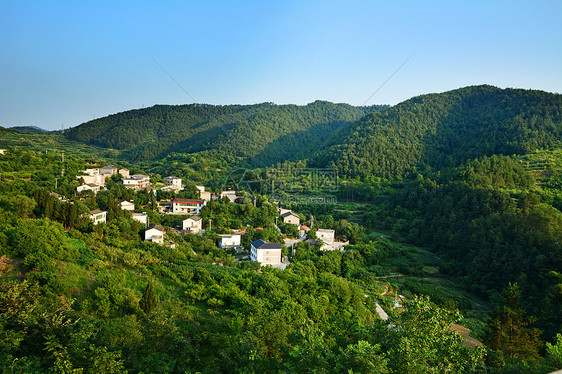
(452, 201)
(434, 131)
(261, 134)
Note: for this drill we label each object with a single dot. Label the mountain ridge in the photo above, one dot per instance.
(446, 129)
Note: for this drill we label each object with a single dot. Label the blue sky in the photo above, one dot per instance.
(68, 62)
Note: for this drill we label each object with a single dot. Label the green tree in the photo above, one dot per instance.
(148, 300)
(421, 341)
(508, 330)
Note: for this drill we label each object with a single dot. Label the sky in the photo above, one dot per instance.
(63, 63)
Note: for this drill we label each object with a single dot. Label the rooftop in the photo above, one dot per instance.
(157, 227)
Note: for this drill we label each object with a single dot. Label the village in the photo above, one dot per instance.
(190, 221)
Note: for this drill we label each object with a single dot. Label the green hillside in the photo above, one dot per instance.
(446, 129)
(263, 133)
(477, 231)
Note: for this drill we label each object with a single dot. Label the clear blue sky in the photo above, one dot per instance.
(66, 62)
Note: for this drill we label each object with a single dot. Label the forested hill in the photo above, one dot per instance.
(262, 133)
(446, 129)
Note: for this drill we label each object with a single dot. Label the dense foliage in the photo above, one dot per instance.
(492, 226)
(264, 133)
(446, 129)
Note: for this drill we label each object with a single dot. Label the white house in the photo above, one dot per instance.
(108, 171)
(326, 235)
(230, 194)
(88, 187)
(141, 217)
(192, 224)
(265, 253)
(94, 171)
(205, 195)
(137, 181)
(229, 241)
(155, 233)
(187, 206)
(2, 151)
(92, 179)
(132, 183)
(173, 183)
(127, 205)
(290, 217)
(124, 172)
(98, 216)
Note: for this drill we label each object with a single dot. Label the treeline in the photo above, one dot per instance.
(492, 228)
(446, 129)
(265, 133)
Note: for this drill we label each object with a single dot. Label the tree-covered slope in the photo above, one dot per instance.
(265, 133)
(447, 129)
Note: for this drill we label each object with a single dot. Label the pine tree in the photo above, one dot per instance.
(148, 299)
(507, 330)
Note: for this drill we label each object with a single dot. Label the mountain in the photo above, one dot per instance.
(446, 129)
(29, 129)
(262, 133)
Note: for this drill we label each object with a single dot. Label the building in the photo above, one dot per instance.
(327, 236)
(165, 206)
(137, 181)
(127, 205)
(265, 253)
(98, 216)
(187, 206)
(231, 195)
(141, 217)
(88, 187)
(290, 217)
(192, 224)
(107, 171)
(94, 171)
(229, 241)
(205, 195)
(2, 151)
(124, 172)
(155, 234)
(92, 179)
(174, 183)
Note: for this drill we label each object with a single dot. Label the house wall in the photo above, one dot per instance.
(230, 241)
(142, 218)
(269, 256)
(129, 207)
(327, 236)
(99, 218)
(292, 219)
(154, 236)
(265, 256)
(189, 224)
(185, 208)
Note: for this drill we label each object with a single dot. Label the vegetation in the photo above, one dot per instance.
(447, 129)
(262, 134)
(437, 213)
